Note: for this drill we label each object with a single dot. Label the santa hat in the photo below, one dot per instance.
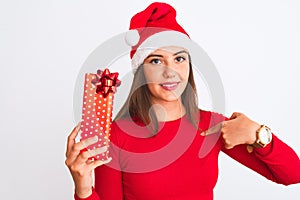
(153, 28)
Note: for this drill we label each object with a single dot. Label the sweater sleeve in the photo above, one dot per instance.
(108, 178)
(277, 161)
(93, 196)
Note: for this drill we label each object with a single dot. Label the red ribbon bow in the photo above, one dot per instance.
(106, 82)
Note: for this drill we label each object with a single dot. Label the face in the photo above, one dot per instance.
(167, 71)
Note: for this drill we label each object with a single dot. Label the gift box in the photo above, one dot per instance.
(97, 108)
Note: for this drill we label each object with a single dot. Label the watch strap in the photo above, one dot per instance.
(257, 143)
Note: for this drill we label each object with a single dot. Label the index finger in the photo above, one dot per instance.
(235, 115)
(72, 137)
(212, 130)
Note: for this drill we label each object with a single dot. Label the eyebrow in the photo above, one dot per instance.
(158, 55)
(179, 52)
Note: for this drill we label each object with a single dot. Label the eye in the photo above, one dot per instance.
(180, 59)
(155, 61)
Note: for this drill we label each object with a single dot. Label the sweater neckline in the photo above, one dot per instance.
(174, 121)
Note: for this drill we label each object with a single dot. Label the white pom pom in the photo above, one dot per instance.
(132, 37)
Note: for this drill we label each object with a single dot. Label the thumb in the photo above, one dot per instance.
(98, 163)
(228, 146)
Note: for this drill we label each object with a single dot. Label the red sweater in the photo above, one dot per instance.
(178, 163)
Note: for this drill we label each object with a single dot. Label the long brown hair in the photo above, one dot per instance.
(138, 102)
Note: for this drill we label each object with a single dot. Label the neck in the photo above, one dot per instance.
(168, 111)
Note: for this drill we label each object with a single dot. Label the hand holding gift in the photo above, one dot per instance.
(99, 91)
(80, 165)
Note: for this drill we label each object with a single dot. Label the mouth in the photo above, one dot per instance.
(169, 85)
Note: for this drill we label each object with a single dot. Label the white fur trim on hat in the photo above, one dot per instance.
(156, 41)
(132, 37)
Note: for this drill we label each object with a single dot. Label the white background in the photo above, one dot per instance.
(255, 46)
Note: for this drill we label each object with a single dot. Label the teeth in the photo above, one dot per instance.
(169, 85)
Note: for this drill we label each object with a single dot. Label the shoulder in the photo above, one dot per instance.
(127, 122)
(128, 127)
(212, 117)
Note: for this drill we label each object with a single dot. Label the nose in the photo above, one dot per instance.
(168, 71)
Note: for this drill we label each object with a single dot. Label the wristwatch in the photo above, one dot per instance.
(263, 138)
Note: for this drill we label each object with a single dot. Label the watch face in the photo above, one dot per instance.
(265, 136)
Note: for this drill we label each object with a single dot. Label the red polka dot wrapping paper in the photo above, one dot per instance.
(96, 115)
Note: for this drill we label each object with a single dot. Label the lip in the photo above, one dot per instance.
(169, 85)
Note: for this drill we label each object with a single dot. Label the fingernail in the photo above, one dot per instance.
(108, 160)
(101, 150)
(78, 125)
(95, 138)
(203, 133)
(105, 148)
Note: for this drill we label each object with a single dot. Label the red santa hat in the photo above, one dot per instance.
(153, 28)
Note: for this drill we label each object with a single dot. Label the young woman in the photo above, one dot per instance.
(157, 135)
